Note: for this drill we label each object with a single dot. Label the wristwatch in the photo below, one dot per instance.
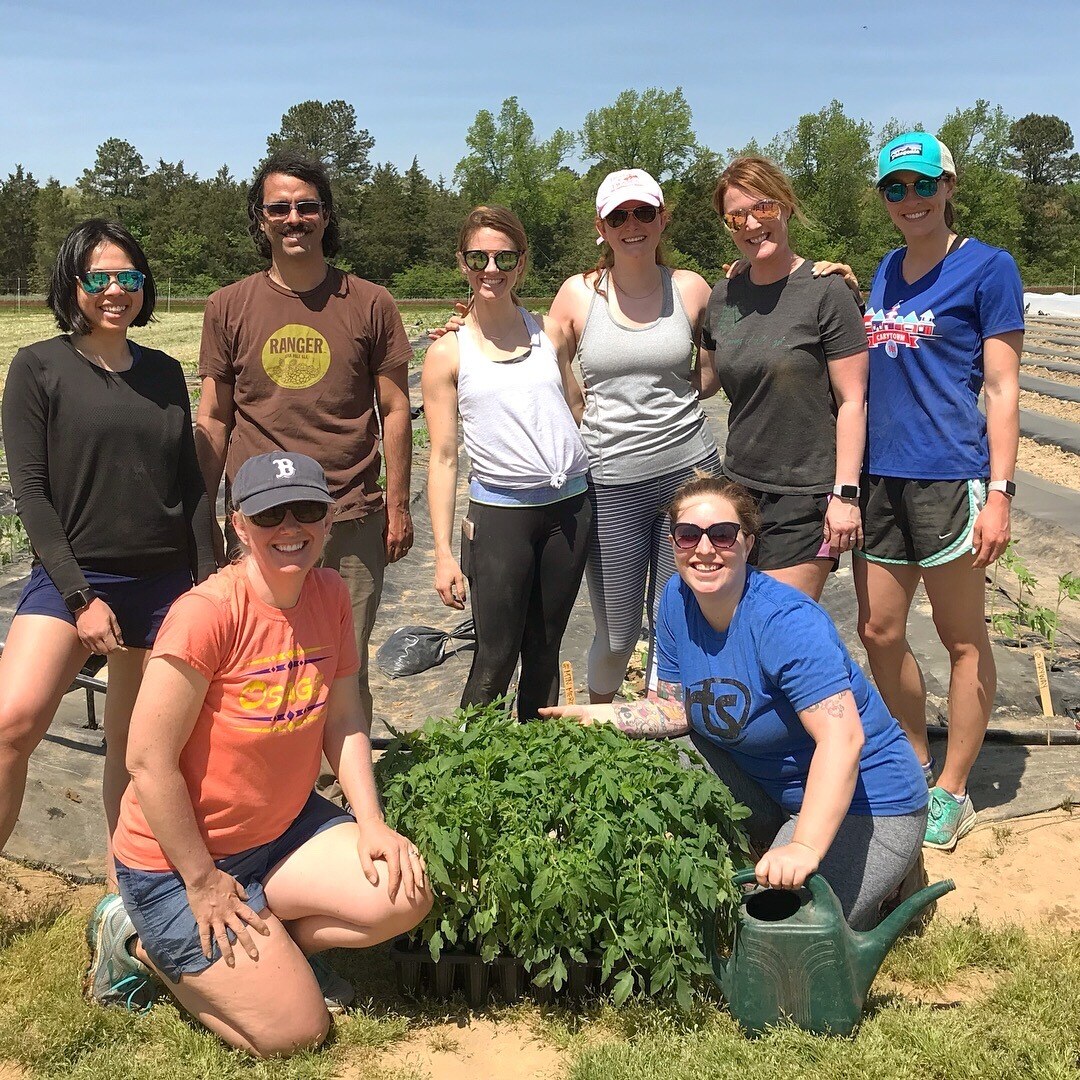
(77, 600)
(1006, 487)
(846, 491)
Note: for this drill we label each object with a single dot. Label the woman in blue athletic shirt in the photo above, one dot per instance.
(945, 319)
(756, 673)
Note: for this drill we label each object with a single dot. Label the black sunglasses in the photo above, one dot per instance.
(306, 512)
(644, 214)
(925, 187)
(97, 281)
(278, 211)
(721, 534)
(477, 260)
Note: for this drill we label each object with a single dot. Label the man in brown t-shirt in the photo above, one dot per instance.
(301, 357)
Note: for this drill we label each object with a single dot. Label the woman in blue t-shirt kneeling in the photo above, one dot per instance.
(945, 319)
(755, 671)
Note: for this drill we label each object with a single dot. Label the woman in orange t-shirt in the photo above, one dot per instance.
(221, 837)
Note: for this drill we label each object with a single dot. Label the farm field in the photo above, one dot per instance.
(992, 991)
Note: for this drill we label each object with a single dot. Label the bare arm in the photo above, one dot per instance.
(213, 425)
(1001, 388)
(347, 745)
(661, 716)
(847, 377)
(571, 387)
(836, 729)
(694, 292)
(439, 383)
(569, 309)
(392, 399)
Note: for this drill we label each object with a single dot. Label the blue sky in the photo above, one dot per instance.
(206, 82)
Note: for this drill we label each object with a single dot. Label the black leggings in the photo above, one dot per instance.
(524, 566)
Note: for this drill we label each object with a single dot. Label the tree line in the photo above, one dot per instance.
(1019, 188)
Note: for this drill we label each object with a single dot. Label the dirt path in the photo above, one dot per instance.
(1049, 463)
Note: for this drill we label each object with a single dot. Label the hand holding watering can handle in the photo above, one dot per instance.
(818, 886)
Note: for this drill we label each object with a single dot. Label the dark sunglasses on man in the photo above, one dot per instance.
(279, 211)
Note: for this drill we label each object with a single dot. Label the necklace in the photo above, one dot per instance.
(631, 296)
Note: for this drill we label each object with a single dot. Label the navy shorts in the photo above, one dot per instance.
(158, 905)
(139, 604)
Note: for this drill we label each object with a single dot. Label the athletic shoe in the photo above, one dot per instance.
(948, 819)
(114, 976)
(928, 773)
(337, 992)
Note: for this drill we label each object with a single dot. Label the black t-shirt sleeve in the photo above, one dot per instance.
(843, 332)
(25, 419)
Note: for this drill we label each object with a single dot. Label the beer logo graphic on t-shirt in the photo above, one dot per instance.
(891, 329)
(720, 706)
(296, 356)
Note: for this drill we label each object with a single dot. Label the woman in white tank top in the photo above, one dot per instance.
(526, 536)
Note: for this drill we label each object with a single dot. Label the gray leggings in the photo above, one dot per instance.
(868, 858)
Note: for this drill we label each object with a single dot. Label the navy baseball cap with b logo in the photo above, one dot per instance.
(274, 479)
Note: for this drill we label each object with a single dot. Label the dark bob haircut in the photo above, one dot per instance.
(71, 262)
(311, 171)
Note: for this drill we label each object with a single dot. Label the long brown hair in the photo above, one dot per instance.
(500, 219)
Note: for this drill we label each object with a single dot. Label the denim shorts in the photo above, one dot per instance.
(139, 604)
(158, 905)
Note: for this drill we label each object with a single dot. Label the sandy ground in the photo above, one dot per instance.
(1049, 462)
(1051, 406)
(1022, 871)
(1056, 376)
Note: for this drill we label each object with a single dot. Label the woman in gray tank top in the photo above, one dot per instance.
(634, 324)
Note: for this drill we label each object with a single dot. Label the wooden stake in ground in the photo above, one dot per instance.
(568, 682)
(1044, 682)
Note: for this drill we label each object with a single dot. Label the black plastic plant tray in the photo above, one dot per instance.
(456, 972)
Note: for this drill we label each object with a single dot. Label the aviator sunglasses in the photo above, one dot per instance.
(763, 210)
(278, 211)
(306, 513)
(925, 187)
(721, 534)
(477, 260)
(644, 214)
(97, 281)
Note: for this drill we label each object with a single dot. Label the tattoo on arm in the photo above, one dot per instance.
(832, 706)
(661, 719)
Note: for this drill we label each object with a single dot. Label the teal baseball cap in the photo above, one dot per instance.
(915, 151)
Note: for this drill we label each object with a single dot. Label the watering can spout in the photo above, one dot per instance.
(874, 944)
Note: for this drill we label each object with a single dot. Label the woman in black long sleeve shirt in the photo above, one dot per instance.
(102, 462)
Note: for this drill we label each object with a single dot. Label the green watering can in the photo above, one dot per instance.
(795, 958)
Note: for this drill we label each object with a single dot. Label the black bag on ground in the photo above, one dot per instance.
(412, 649)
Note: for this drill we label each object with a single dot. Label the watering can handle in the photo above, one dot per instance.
(817, 885)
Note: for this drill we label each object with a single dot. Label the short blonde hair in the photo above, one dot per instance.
(758, 174)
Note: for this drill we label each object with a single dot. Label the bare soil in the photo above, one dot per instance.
(1049, 463)
(1055, 376)
(1051, 406)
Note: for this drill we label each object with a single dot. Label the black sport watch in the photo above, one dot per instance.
(77, 600)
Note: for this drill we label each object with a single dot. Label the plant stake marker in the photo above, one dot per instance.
(1044, 682)
(568, 682)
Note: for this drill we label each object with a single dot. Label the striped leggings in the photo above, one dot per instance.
(630, 561)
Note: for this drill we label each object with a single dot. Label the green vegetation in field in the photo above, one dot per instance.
(14, 543)
(1001, 1004)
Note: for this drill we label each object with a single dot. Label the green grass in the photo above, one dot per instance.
(1011, 1009)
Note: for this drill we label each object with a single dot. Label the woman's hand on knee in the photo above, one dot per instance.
(787, 867)
(219, 903)
(404, 863)
(98, 629)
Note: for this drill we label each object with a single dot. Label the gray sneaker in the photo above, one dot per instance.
(114, 976)
(337, 992)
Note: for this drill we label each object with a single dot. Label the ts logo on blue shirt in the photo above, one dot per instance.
(720, 706)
